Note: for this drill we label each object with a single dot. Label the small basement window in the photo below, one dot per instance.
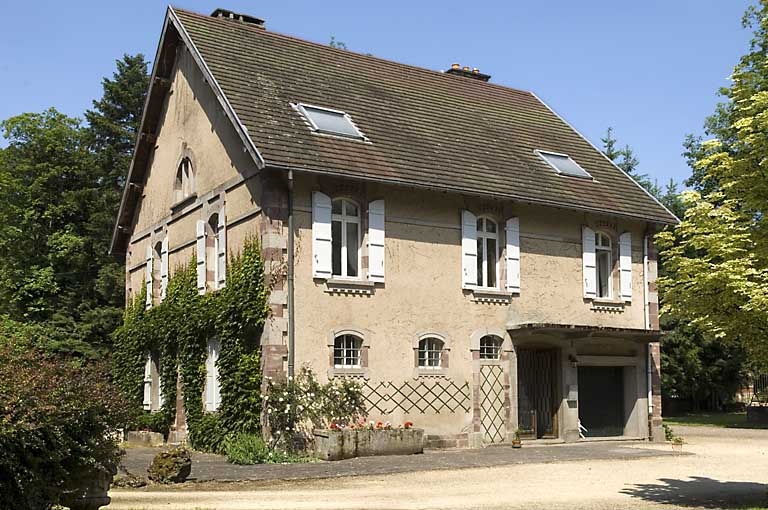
(563, 164)
(334, 122)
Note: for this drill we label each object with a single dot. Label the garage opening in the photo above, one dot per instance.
(601, 401)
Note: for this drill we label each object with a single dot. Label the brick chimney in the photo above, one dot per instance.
(243, 18)
(468, 73)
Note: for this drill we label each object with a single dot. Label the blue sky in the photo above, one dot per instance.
(650, 69)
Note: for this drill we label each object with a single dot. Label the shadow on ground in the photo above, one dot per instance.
(701, 492)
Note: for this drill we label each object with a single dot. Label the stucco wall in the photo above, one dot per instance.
(423, 292)
(193, 125)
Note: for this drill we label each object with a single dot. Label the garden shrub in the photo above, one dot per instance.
(247, 449)
(208, 434)
(298, 405)
(58, 425)
(252, 449)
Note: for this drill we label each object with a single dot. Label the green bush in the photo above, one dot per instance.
(208, 434)
(58, 423)
(251, 449)
(247, 449)
(154, 422)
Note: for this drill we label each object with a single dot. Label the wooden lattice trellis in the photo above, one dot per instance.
(491, 403)
(432, 396)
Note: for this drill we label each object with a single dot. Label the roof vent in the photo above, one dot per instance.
(244, 18)
(468, 73)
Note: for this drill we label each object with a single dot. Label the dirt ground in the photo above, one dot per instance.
(728, 469)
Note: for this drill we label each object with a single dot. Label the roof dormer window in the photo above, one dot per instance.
(328, 121)
(563, 164)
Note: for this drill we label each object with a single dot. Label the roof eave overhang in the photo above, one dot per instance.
(471, 192)
(576, 332)
(160, 81)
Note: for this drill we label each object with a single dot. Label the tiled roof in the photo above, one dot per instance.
(426, 128)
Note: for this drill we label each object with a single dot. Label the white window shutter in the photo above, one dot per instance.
(163, 267)
(468, 249)
(513, 255)
(200, 256)
(321, 235)
(212, 390)
(376, 241)
(625, 265)
(148, 275)
(147, 404)
(589, 262)
(221, 251)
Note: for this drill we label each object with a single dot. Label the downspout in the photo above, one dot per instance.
(646, 309)
(291, 320)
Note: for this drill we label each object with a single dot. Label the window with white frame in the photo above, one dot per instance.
(212, 386)
(211, 252)
(430, 353)
(490, 347)
(184, 184)
(346, 351)
(487, 252)
(329, 121)
(345, 238)
(604, 264)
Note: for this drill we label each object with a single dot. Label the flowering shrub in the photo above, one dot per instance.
(371, 425)
(58, 423)
(298, 405)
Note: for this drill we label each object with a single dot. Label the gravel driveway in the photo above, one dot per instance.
(729, 469)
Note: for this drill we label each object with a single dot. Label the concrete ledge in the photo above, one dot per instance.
(437, 442)
(143, 438)
(347, 444)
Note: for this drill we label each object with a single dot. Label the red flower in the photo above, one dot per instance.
(408, 424)
(379, 425)
(334, 426)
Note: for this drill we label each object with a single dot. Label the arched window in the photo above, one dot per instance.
(430, 353)
(490, 347)
(184, 184)
(604, 262)
(156, 269)
(487, 252)
(211, 249)
(345, 238)
(346, 351)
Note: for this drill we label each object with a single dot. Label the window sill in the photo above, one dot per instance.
(344, 286)
(361, 372)
(184, 202)
(429, 373)
(607, 305)
(481, 295)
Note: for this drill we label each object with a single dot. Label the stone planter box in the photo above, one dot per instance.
(347, 444)
(143, 438)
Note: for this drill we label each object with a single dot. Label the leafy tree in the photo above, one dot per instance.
(60, 185)
(717, 258)
(698, 368)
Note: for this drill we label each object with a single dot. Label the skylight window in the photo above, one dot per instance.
(563, 164)
(333, 122)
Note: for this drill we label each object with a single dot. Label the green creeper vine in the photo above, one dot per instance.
(178, 330)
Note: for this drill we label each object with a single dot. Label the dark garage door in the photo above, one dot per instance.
(601, 401)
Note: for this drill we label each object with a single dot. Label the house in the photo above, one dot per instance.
(452, 243)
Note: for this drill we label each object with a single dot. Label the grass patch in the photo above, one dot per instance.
(724, 420)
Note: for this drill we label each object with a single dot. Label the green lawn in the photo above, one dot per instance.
(726, 420)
